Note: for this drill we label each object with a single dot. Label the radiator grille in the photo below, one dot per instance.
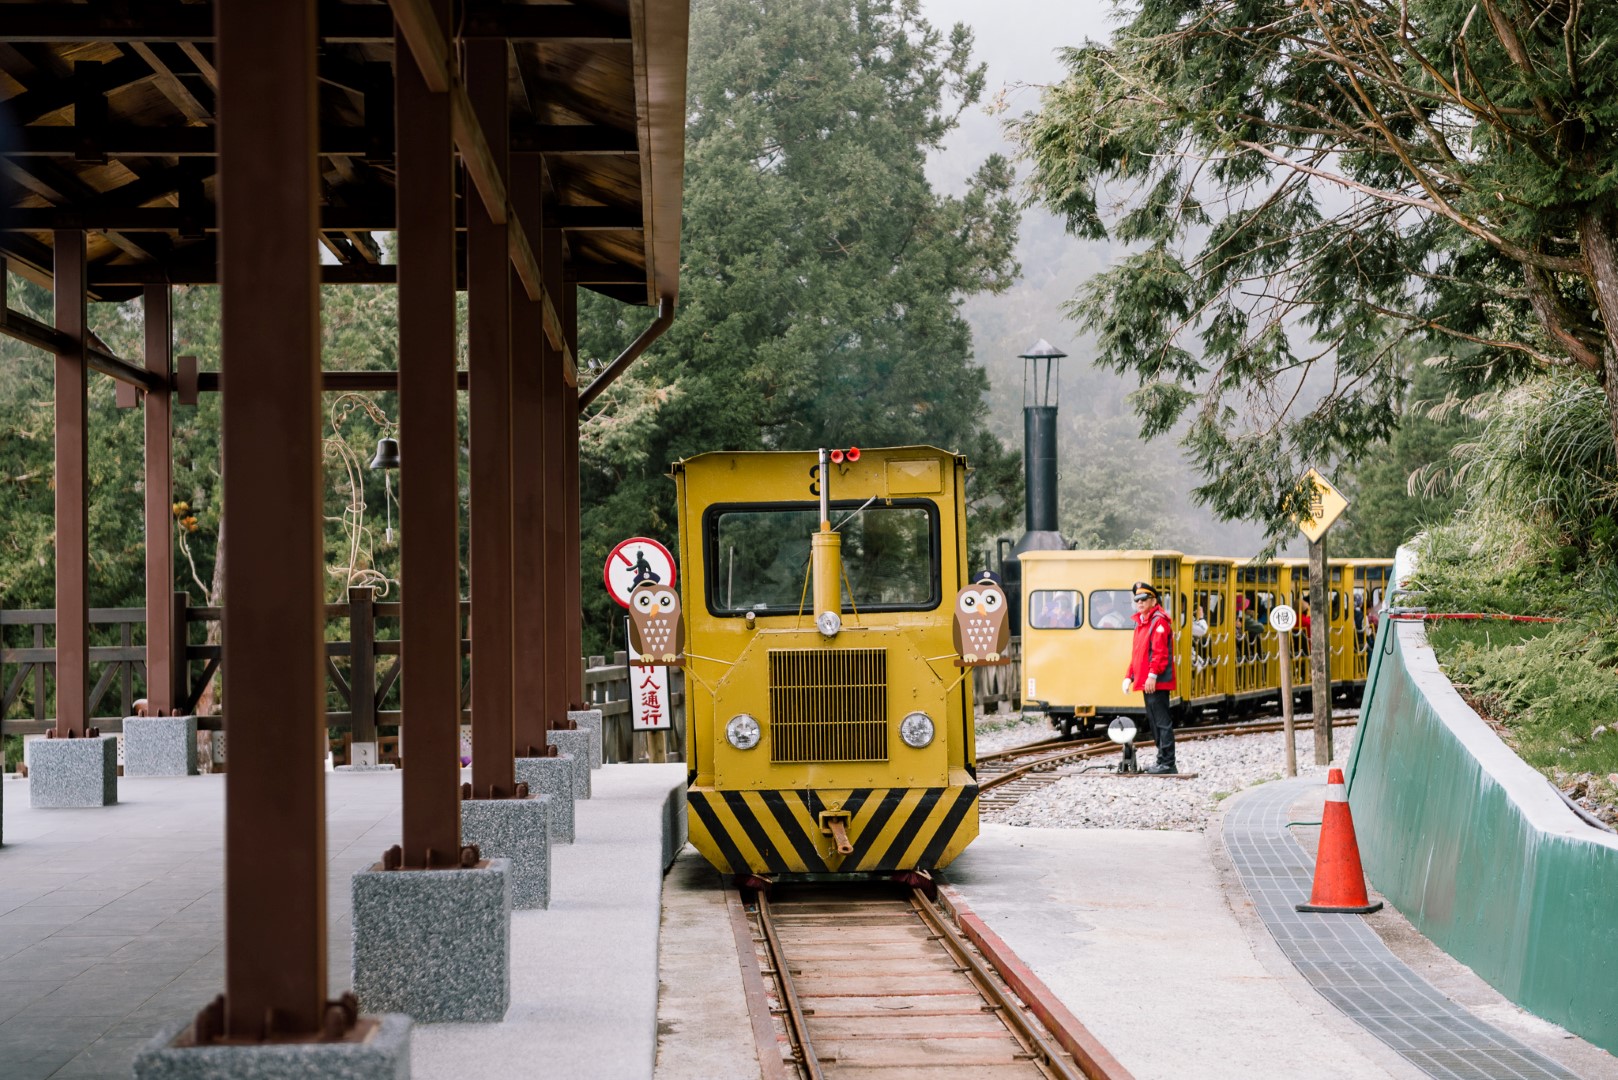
(828, 705)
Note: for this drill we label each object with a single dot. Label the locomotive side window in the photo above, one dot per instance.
(1112, 609)
(758, 556)
(1055, 609)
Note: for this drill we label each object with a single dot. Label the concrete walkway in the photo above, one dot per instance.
(1148, 937)
(111, 923)
(1133, 931)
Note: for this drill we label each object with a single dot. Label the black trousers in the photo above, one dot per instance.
(1161, 721)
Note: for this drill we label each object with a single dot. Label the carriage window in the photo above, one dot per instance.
(1055, 609)
(1112, 609)
(758, 558)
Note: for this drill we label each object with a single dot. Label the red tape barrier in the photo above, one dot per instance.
(1415, 616)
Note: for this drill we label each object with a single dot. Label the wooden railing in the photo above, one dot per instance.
(362, 673)
(28, 671)
(998, 688)
(607, 686)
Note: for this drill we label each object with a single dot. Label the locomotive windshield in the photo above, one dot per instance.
(758, 556)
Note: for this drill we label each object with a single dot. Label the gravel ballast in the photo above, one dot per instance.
(1089, 796)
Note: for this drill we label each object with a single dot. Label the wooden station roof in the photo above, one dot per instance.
(108, 124)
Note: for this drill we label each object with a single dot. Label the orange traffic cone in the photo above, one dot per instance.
(1339, 880)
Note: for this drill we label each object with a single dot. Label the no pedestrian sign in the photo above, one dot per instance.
(633, 561)
(1325, 506)
(649, 702)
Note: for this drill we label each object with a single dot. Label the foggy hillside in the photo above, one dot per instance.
(1115, 489)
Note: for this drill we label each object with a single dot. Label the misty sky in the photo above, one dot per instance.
(1018, 39)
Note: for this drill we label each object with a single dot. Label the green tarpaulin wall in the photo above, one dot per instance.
(1477, 849)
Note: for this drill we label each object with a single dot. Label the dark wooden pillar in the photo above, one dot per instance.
(561, 666)
(1320, 648)
(274, 618)
(160, 658)
(530, 610)
(429, 450)
(488, 286)
(72, 490)
(574, 611)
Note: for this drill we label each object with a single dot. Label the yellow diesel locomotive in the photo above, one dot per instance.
(829, 725)
(1076, 630)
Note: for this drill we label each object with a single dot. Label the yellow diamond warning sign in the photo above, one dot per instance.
(1324, 507)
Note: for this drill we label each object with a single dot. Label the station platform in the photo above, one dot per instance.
(1181, 953)
(1160, 942)
(111, 926)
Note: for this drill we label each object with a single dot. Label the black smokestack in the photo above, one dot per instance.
(1039, 459)
(1039, 462)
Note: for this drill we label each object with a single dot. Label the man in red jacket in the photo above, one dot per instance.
(1151, 670)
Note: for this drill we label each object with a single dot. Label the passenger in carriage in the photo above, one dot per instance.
(1108, 617)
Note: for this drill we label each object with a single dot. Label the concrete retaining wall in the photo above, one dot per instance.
(1477, 849)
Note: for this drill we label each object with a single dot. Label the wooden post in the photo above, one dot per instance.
(274, 616)
(488, 287)
(159, 468)
(362, 674)
(429, 451)
(572, 612)
(531, 609)
(1320, 650)
(561, 671)
(1286, 702)
(72, 489)
(179, 665)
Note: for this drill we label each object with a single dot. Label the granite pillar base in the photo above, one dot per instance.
(73, 772)
(518, 830)
(590, 719)
(385, 1055)
(576, 743)
(160, 746)
(434, 944)
(553, 777)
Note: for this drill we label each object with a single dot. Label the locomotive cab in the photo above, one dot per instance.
(829, 724)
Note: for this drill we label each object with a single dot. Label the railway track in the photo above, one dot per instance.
(1005, 777)
(879, 983)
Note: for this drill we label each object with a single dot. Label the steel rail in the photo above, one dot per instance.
(797, 1024)
(1006, 1006)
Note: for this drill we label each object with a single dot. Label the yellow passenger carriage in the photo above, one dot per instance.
(830, 724)
(1206, 629)
(1077, 629)
(1228, 659)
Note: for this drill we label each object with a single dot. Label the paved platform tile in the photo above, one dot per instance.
(1344, 959)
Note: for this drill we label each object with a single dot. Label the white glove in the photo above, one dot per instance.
(1128, 685)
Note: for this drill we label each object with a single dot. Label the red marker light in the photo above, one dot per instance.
(853, 453)
(836, 457)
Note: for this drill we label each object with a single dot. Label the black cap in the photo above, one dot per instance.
(1144, 587)
(989, 576)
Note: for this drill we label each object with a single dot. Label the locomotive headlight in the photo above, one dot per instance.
(916, 730)
(742, 731)
(829, 622)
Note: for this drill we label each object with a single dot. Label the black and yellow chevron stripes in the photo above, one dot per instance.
(779, 832)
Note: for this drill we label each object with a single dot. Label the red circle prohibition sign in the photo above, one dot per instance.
(632, 561)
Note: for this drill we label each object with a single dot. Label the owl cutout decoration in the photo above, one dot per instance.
(982, 634)
(655, 629)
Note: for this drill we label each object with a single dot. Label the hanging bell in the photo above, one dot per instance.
(387, 454)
